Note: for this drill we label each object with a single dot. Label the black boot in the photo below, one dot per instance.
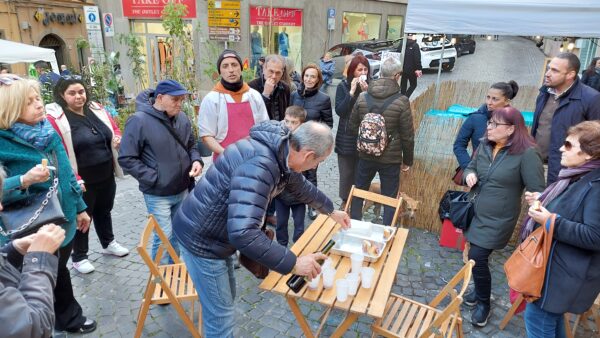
(480, 315)
(470, 298)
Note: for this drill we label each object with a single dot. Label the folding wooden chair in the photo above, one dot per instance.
(375, 198)
(410, 319)
(167, 284)
(594, 312)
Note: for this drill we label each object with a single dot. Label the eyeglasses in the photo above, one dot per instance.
(494, 124)
(7, 80)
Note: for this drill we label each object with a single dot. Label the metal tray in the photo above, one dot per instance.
(370, 231)
(347, 244)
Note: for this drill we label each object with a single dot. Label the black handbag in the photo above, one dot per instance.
(26, 216)
(461, 210)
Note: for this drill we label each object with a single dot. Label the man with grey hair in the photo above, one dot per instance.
(383, 98)
(226, 210)
(275, 92)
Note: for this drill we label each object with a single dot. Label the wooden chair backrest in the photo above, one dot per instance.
(145, 241)
(463, 275)
(377, 198)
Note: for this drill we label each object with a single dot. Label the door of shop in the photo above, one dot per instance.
(159, 58)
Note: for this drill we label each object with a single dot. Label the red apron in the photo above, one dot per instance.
(239, 121)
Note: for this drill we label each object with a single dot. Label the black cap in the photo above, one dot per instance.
(228, 53)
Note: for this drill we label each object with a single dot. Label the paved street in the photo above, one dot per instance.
(112, 293)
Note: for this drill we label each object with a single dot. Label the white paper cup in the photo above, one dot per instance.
(314, 283)
(328, 277)
(341, 289)
(353, 282)
(327, 264)
(357, 261)
(367, 277)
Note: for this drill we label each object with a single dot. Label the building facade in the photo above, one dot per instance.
(302, 29)
(55, 24)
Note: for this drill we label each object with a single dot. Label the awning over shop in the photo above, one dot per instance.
(507, 17)
(15, 52)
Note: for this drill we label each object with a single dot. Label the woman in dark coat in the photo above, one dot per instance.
(573, 271)
(472, 130)
(591, 76)
(345, 140)
(506, 163)
(318, 108)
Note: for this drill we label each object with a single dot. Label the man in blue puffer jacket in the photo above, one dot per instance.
(227, 207)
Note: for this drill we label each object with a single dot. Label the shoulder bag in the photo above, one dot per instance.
(258, 270)
(526, 267)
(26, 216)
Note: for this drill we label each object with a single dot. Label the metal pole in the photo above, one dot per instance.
(437, 81)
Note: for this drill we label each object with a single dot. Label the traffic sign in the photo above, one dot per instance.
(223, 22)
(109, 28)
(225, 37)
(331, 12)
(212, 4)
(223, 13)
(224, 31)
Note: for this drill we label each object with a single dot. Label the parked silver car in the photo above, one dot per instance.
(371, 49)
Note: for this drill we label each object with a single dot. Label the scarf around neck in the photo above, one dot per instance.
(233, 87)
(38, 135)
(565, 178)
(307, 92)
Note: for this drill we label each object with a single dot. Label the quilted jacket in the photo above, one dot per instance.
(225, 210)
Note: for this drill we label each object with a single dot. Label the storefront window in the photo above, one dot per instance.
(394, 27)
(156, 48)
(360, 26)
(275, 31)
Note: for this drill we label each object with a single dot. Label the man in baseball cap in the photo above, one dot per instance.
(159, 150)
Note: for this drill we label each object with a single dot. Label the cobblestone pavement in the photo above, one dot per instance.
(111, 294)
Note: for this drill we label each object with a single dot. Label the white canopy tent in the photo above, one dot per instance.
(15, 52)
(508, 17)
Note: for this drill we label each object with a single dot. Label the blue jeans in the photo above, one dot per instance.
(543, 324)
(389, 175)
(215, 284)
(283, 215)
(164, 208)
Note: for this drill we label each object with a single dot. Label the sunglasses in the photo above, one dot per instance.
(568, 145)
(7, 80)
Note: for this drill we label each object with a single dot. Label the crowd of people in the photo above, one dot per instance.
(268, 138)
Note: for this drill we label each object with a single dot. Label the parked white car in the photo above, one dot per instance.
(431, 51)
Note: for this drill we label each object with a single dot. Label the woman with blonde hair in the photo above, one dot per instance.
(26, 138)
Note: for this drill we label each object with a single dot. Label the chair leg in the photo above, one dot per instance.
(459, 329)
(568, 331)
(141, 318)
(511, 312)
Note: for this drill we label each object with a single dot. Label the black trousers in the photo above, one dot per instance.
(69, 315)
(100, 198)
(389, 175)
(408, 77)
(481, 272)
(347, 169)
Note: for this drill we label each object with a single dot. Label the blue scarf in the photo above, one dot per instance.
(38, 135)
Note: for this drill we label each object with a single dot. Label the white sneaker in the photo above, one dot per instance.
(116, 249)
(83, 266)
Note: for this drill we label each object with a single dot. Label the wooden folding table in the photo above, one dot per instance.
(370, 302)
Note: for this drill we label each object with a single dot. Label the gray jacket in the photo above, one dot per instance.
(26, 298)
(499, 189)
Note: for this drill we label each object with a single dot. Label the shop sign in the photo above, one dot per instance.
(154, 8)
(224, 4)
(63, 18)
(265, 16)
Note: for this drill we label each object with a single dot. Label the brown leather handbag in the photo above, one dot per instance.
(526, 268)
(258, 270)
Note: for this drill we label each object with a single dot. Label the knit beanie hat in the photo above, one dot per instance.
(228, 53)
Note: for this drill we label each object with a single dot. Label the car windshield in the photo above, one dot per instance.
(433, 41)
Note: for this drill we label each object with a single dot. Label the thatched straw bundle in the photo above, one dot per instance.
(435, 163)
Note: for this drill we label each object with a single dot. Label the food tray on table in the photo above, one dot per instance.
(363, 238)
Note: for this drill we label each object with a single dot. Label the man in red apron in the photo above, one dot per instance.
(229, 111)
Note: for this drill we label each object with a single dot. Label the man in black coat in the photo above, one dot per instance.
(412, 68)
(275, 92)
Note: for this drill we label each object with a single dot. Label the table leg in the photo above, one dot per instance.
(351, 317)
(300, 317)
